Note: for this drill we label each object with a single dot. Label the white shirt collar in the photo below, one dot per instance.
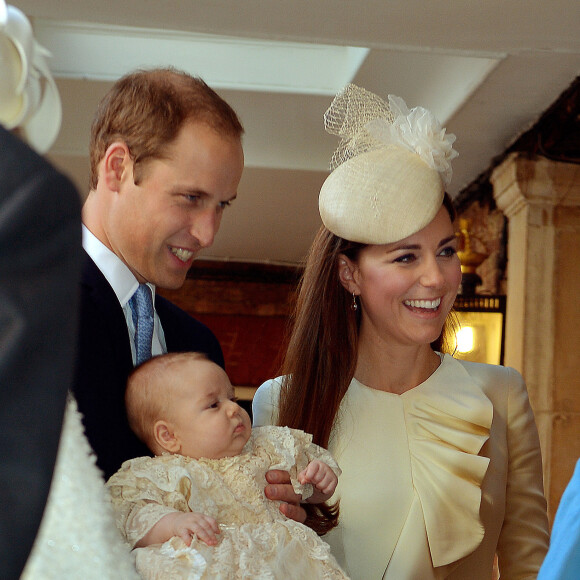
(113, 268)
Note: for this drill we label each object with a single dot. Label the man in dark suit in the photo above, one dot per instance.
(166, 160)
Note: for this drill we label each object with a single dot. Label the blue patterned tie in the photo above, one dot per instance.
(141, 304)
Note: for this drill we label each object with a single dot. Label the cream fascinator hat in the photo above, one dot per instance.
(29, 98)
(390, 170)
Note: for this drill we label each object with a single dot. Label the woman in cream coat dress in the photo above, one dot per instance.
(410, 493)
(440, 458)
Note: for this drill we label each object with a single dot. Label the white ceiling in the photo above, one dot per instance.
(486, 68)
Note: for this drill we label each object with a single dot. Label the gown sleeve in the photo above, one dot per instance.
(143, 491)
(292, 450)
(524, 536)
(306, 451)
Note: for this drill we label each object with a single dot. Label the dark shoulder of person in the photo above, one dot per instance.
(184, 333)
(40, 257)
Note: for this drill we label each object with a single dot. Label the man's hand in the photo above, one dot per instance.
(280, 488)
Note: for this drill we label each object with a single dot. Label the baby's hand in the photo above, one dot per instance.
(188, 525)
(322, 478)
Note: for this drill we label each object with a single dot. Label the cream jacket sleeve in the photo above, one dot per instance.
(524, 537)
(265, 403)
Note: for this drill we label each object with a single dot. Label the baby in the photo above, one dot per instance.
(197, 509)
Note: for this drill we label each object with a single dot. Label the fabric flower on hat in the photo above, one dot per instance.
(418, 131)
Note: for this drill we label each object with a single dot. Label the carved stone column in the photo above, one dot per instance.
(541, 199)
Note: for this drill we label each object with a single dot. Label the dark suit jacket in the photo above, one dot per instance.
(104, 363)
(40, 261)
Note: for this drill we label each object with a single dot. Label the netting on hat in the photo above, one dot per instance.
(365, 122)
(349, 112)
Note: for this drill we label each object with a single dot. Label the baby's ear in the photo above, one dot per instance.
(165, 437)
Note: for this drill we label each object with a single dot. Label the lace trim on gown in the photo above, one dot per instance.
(449, 420)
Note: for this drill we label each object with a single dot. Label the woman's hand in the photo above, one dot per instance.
(280, 488)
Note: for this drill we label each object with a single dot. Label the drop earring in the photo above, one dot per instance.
(354, 305)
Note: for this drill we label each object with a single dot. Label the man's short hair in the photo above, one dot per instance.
(146, 109)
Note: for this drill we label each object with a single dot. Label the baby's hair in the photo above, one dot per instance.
(149, 390)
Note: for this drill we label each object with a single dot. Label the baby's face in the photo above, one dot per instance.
(207, 420)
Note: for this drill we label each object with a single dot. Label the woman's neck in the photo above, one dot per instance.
(394, 369)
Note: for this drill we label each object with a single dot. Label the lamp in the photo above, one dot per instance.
(481, 317)
(480, 336)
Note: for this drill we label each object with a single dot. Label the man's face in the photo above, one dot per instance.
(158, 227)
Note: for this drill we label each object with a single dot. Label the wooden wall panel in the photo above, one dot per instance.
(247, 306)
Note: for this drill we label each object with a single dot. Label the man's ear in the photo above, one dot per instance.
(116, 165)
(347, 274)
(165, 436)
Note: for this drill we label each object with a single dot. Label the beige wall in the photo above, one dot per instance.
(541, 200)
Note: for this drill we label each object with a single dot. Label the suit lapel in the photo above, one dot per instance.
(174, 337)
(106, 307)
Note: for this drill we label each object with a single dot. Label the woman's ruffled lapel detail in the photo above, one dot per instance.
(448, 421)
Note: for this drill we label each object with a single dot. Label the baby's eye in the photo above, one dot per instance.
(214, 405)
